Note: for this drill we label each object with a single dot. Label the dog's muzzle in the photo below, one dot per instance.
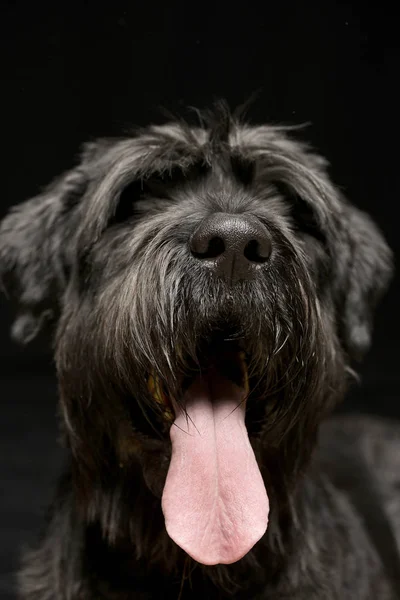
(233, 246)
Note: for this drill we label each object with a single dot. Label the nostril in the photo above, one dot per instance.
(209, 248)
(257, 252)
(237, 241)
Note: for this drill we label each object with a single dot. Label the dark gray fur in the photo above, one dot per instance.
(103, 255)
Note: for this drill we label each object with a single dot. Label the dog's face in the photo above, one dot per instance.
(208, 284)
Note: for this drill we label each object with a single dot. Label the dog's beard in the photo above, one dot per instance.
(175, 354)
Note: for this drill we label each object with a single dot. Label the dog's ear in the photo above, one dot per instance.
(363, 269)
(33, 248)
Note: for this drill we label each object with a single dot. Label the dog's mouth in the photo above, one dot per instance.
(214, 500)
(227, 359)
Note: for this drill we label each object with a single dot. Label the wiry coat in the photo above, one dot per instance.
(103, 254)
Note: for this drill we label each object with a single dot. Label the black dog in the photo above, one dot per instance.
(210, 288)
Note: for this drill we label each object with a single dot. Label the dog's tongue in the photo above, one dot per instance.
(214, 501)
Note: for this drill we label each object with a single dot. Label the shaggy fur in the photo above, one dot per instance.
(103, 255)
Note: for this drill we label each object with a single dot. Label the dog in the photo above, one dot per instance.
(209, 290)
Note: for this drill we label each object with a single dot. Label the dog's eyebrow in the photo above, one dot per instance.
(127, 161)
(300, 180)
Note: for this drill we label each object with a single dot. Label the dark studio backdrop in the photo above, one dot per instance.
(71, 72)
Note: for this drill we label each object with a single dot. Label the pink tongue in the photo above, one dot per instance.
(214, 501)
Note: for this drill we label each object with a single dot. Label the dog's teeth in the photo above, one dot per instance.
(245, 373)
(157, 391)
(155, 388)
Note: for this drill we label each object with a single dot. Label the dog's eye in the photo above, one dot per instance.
(125, 208)
(304, 219)
(243, 169)
(157, 186)
(132, 193)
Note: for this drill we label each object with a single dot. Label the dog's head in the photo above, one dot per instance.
(208, 277)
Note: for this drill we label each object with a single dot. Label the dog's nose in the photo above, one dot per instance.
(234, 246)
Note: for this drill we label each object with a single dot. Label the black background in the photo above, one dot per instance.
(71, 72)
